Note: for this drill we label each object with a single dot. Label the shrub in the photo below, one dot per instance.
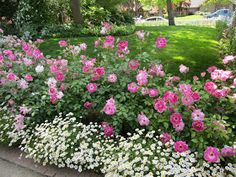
(221, 27)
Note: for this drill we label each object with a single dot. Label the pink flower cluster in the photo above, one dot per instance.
(176, 120)
(19, 119)
(106, 27)
(156, 70)
(221, 75)
(142, 77)
(109, 42)
(143, 120)
(161, 42)
(211, 88)
(107, 129)
(122, 49)
(189, 96)
(88, 65)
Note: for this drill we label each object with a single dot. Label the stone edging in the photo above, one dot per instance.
(13, 156)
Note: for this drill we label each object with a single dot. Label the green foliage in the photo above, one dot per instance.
(8, 8)
(220, 28)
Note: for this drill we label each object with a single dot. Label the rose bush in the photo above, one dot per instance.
(121, 93)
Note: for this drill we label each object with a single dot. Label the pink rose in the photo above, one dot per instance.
(170, 97)
(175, 118)
(160, 105)
(210, 87)
(88, 105)
(143, 120)
(211, 155)
(99, 71)
(161, 42)
(198, 115)
(198, 126)
(110, 107)
(133, 87)
(11, 77)
(62, 43)
(91, 87)
(134, 64)
(165, 137)
(228, 152)
(28, 77)
(60, 76)
(108, 131)
(52, 91)
(153, 92)
(183, 69)
(123, 45)
(112, 78)
(142, 77)
(180, 146)
(228, 59)
(179, 127)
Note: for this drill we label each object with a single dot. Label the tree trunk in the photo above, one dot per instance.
(170, 13)
(76, 11)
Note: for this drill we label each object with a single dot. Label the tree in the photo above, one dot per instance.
(76, 11)
(170, 12)
(218, 3)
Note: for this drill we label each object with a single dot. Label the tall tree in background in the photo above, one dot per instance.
(170, 12)
(76, 11)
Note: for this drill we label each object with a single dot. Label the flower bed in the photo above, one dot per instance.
(111, 96)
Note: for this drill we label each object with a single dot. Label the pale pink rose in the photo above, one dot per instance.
(228, 59)
(143, 120)
(141, 34)
(211, 69)
(212, 154)
(22, 83)
(180, 146)
(142, 77)
(159, 105)
(183, 69)
(91, 87)
(133, 87)
(52, 91)
(144, 91)
(112, 78)
(198, 126)
(153, 92)
(203, 74)
(109, 42)
(39, 41)
(198, 115)
(187, 100)
(161, 42)
(83, 46)
(24, 110)
(195, 78)
(179, 127)
(234, 82)
(110, 107)
(96, 43)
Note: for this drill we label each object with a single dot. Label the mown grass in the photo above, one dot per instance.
(193, 46)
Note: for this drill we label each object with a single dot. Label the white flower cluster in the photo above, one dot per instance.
(66, 143)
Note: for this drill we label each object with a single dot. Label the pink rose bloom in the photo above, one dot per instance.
(180, 146)
(62, 43)
(160, 105)
(225, 75)
(83, 46)
(170, 97)
(12, 57)
(195, 96)
(210, 87)
(228, 59)
(198, 115)
(179, 127)
(108, 131)
(39, 41)
(7, 52)
(141, 34)
(175, 118)
(153, 92)
(109, 42)
(91, 87)
(134, 64)
(183, 69)
(211, 69)
(11, 77)
(28, 77)
(195, 78)
(198, 126)
(144, 91)
(53, 69)
(62, 87)
(60, 76)
(52, 91)
(88, 105)
(203, 74)
(228, 152)
(142, 77)
(110, 107)
(165, 137)
(96, 43)
(123, 45)
(161, 42)
(234, 82)
(211, 155)
(24, 110)
(133, 87)
(187, 100)
(185, 88)
(220, 93)
(53, 99)
(112, 78)
(99, 71)
(143, 120)
(23, 84)
(156, 70)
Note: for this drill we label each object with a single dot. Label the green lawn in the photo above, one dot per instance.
(190, 17)
(193, 46)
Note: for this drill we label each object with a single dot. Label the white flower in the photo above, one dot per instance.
(39, 69)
